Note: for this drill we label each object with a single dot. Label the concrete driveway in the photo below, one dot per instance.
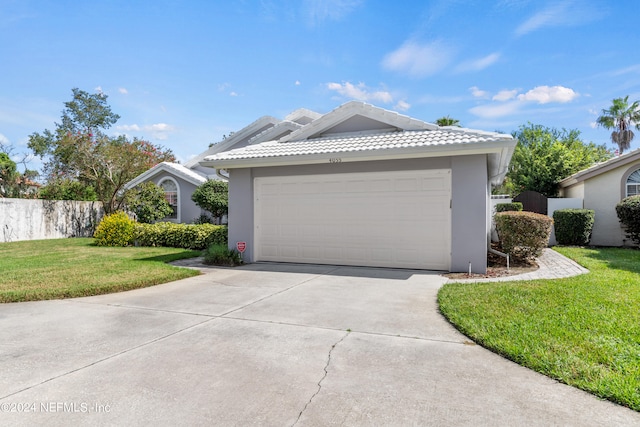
(268, 344)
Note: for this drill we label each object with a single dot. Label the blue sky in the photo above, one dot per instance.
(184, 73)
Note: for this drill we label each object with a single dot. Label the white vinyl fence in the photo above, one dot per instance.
(26, 219)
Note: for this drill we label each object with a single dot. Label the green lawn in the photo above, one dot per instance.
(583, 331)
(67, 268)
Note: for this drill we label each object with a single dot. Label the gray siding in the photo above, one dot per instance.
(470, 200)
(188, 209)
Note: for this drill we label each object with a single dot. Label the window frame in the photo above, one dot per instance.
(176, 209)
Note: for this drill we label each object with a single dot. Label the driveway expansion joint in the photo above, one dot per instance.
(326, 372)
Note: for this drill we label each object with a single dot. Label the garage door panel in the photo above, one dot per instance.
(387, 219)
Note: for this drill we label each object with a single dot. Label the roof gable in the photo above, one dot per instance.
(601, 168)
(357, 116)
(237, 139)
(174, 169)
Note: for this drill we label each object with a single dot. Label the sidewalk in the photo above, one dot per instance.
(553, 265)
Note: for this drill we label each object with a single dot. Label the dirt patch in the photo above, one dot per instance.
(497, 267)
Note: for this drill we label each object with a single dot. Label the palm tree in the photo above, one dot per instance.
(621, 117)
(447, 121)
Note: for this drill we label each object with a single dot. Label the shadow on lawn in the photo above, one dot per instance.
(616, 258)
(172, 257)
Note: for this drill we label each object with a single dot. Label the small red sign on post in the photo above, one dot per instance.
(241, 246)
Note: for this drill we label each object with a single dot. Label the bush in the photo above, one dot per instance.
(628, 211)
(147, 201)
(116, 229)
(222, 255)
(203, 219)
(573, 226)
(523, 235)
(213, 196)
(509, 207)
(187, 236)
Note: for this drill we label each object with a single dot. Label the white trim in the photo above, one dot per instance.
(178, 198)
(353, 108)
(176, 169)
(635, 183)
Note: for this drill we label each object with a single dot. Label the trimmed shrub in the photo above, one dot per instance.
(523, 235)
(222, 255)
(509, 207)
(187, 236)
(628, 211)
(116, 229)
(573, 226)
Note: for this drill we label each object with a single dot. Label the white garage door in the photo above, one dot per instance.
(382, 219)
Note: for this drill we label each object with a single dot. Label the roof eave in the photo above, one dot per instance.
(502, 148)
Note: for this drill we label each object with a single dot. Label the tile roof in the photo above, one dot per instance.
(361, 142)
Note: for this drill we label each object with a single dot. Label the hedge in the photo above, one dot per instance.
(509, 207)
(628, 211)
(187, 236)
(523, 235)
(573, 226)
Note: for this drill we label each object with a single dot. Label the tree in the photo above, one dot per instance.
(67, 189)
(447, 121)
(80, 150)
(9, 176)
(13, 183)
(621, 117)
(213, 196)
(147, 201)
(544, 156)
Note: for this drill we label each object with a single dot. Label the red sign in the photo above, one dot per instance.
(241, 246)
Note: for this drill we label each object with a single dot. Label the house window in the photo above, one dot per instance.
(171, 195)
(633, 184)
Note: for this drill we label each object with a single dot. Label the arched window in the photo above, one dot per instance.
(633, 184)
(170, 188)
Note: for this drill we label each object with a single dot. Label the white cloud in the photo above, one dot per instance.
(402, 106)
(478, 64)
(546, 94)
(232, 93)
(477, 92)
(593, 125)
(418, 60)
(128, 128)
(297, 83)
(98, 89)
(4, 140)
(157, 130)
(491, 111)
(505, 95)
(360, 92)
(564, 13)
(123, 91)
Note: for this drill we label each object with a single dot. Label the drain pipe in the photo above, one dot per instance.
(493, 251)
(221, 175)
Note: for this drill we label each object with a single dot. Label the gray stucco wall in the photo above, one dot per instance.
(470, 213)
(188, 209)
(470, 217)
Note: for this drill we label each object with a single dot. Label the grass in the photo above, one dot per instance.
(67, 268)
(583, 331)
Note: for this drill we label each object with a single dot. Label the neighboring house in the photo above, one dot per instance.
(601, 187)
(179, 181)
(365, 186)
